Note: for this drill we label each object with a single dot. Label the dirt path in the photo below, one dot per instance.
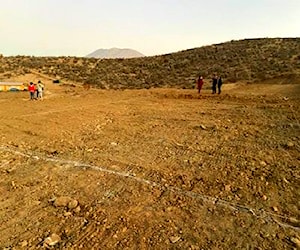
(150, 169)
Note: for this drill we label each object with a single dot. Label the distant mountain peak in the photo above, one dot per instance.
(115, 53)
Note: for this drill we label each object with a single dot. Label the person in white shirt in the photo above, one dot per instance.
(40, 89)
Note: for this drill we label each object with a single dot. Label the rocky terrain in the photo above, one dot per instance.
(125, 154)
(149, 169)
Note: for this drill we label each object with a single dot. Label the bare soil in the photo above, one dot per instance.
(150, 169)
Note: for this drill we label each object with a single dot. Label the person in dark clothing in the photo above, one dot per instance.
(214, 84)
(200, 84)
(36, 91)
(220, 82)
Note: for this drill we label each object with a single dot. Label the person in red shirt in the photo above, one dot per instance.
(200, 84)
(31, 90)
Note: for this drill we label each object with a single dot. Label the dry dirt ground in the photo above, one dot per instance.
(150, 169)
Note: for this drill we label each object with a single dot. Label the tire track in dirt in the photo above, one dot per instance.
(86, 235)
(257, 213)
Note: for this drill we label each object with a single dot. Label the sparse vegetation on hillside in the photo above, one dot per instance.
(245, 60)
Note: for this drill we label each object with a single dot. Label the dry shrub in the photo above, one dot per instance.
(86, 86)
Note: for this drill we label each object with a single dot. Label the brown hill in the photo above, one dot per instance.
(247, 60)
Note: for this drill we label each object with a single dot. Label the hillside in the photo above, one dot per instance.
(114, 53)
(248, 60)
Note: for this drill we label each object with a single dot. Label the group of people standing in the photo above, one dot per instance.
(36, 90)
(216, 82)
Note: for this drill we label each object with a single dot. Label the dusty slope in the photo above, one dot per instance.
(151, 169)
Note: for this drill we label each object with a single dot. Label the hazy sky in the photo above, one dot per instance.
(78, 27)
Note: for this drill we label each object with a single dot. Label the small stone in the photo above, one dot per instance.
(24, 243)
(77, 209)
(72, 204)
(36, 203)
(294, 221)
(67, 214)
(285, 180)
(174, 239)
(296, 242)
(227, 188)
(52, 240)
(67, 231)
(62, 201)
(290, 145)
(263, 163)
(264, 197)
(202, 127)
(275, 209)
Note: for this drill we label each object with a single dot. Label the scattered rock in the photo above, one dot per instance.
(285, 180)
(290, 144)
(263, 163)
(169, 209)
(296, 242)
(67, 214)
(264, 197)
(62, 201)
(227, 188)
(52, 240)
(294, 221)
(24, 243)
(72, 204)
(13, 184)
(174, 239)
(202, 127)
(275, 209)
(269, 159)
(77, 209)
(68, 202)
